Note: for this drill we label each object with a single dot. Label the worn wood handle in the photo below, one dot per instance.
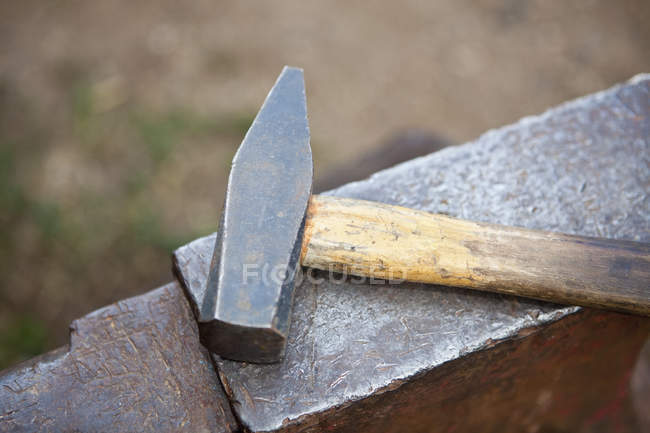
(390, 242)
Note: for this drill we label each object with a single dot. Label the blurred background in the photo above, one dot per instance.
(119, 119)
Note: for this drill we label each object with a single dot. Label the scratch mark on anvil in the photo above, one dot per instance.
(426, 334)
(123, 364)
(159, 351)
(221, 411)
(403, 322)
(384, 367)
(19, 390)
(333, 358)
(409, 332)
(626, 105)
(264, 400)
(108, 372)
(247, 396)
(77, 363)
(414, 349)
(8, 414)
(340, 379)
(132, 343)
(372, 354)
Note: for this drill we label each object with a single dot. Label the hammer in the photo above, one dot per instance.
(271, 224)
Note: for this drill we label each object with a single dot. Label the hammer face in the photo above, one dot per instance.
(247, 308)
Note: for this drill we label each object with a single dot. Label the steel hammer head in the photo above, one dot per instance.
(246, 312)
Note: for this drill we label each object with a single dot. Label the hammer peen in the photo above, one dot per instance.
(271, 224)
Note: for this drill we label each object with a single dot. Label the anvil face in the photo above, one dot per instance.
(248, 299)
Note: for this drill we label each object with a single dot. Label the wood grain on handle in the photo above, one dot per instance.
(391, 242)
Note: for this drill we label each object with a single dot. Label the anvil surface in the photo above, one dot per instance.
(401, 358)
(580, 168)
(136, 365)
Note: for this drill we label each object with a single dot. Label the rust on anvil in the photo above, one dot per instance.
(425, 358)
(136, 365)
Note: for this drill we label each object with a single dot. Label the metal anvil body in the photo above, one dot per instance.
(372, 357)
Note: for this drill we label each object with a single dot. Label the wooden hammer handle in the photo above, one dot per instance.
(390, 242)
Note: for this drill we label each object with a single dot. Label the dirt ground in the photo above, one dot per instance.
(118, 119)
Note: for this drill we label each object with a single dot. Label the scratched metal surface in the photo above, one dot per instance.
(136, 365)
(581, 168)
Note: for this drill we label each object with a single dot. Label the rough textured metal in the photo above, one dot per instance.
(579, 168)
(136, 365)
(247, 306)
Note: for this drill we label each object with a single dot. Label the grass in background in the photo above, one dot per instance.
(107, 237)
(24, 337)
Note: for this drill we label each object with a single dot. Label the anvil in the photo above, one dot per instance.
(413, 357)
(271, 224)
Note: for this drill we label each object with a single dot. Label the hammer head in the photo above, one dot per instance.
(247, 307)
